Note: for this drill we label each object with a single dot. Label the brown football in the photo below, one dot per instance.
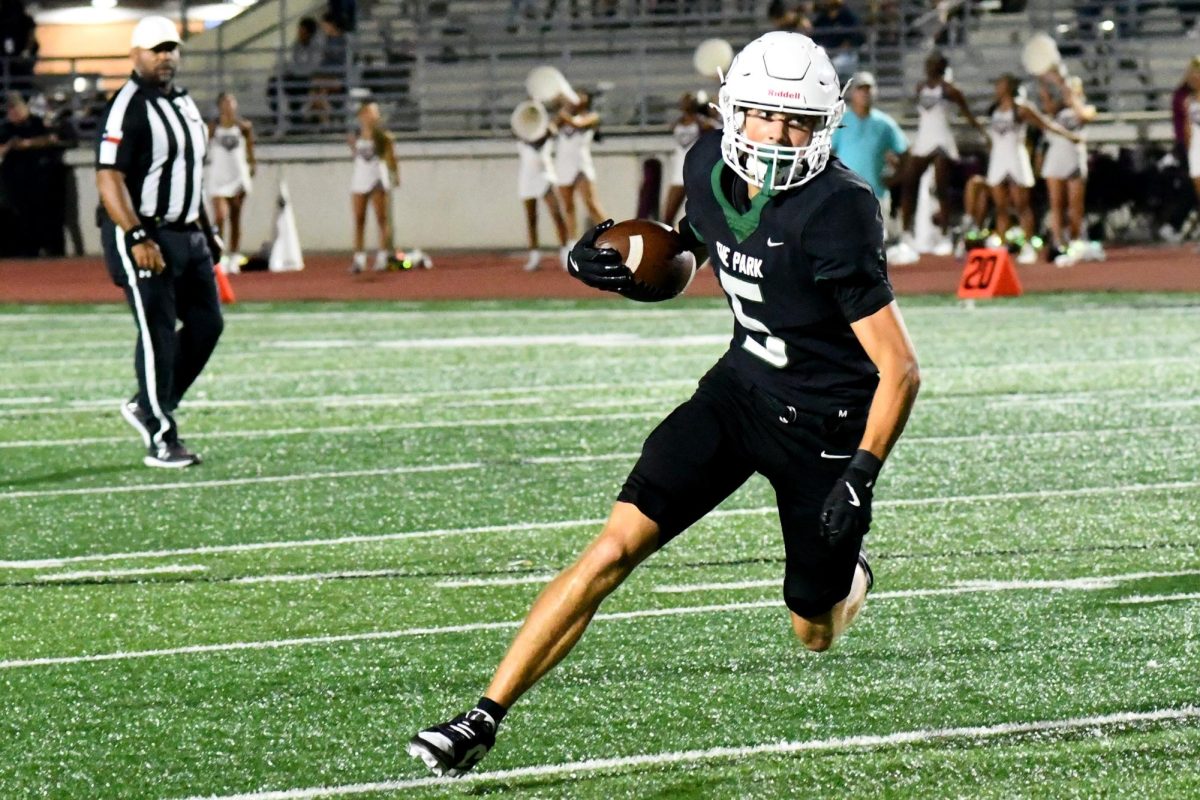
(662, 266)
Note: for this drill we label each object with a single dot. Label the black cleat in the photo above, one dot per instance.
(454, 747)
(139, 420)
(862, 562)
(171, 456)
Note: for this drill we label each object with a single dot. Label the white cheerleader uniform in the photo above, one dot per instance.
(685, 135)
(933, 124)
(370, 171)
(573, 154)
(1009, 158)
(535, 175)
(228, 167)
(1065, 159)
(1194, 148)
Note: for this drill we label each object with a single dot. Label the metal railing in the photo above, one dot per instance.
(440, 76)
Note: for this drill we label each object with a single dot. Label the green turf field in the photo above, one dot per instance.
(386, 487)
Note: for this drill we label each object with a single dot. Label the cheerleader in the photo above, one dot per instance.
(1191, 135)
(1010, 173)
(687, 129)
(535, 179)
(230, 169)
(1064, 167)
(934, 143)
(375, 174)
(577, 124)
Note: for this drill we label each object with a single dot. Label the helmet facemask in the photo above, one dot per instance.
(776, 167)
(780, 73)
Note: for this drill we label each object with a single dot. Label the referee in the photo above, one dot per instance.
(157, 242)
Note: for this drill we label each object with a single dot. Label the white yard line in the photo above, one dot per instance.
(859, 742)
(49, 563)
(417, 398)
(166, 569)
(262, 479)
(1158, 598)
(958, 587)
(659, 410)
(275, 644)
(315, 576)
(1082, 584)
(474, 583)
(282, 545)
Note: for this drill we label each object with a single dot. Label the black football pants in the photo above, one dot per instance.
(177, 314)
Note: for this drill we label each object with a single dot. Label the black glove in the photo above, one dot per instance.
(847, 509)
(600, 269)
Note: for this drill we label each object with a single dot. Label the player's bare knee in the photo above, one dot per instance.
(610, 558)
(816, 638)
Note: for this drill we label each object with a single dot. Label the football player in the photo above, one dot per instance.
(813, 392)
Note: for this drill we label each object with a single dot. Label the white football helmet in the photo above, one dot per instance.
(783, 72)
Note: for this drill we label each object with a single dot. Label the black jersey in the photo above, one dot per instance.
(797, 268)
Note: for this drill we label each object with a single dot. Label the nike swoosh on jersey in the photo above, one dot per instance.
(835, 455)
(772, 243)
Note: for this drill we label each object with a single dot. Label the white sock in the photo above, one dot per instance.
(381, 258)
(360, 259)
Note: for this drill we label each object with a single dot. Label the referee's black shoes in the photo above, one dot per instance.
(172, 455)
(139, 420)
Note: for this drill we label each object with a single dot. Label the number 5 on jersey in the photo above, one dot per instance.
(772, 350)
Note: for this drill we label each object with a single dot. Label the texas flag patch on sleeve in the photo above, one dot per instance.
(108, 147)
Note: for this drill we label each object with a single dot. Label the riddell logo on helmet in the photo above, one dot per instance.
(788, 95)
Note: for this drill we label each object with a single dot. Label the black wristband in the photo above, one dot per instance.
(136, 235)
(866, 461)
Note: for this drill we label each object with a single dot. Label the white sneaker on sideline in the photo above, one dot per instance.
(1028, 254)
(902, 254)
(564, 254)
(534, 262)
(1092, 251)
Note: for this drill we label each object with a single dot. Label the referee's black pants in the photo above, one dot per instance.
(177, 314)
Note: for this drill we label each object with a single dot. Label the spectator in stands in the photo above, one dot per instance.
(784, 16)
(883, 19)
(18, 47)
(303, 58)
(838, 30)
(329, 78)
(345, 12)
(869, 141)
(25, 173)
(577, 126)
(61, 122)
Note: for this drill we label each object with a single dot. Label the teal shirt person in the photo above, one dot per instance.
(862, 144)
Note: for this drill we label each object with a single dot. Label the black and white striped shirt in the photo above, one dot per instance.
(157, 140)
